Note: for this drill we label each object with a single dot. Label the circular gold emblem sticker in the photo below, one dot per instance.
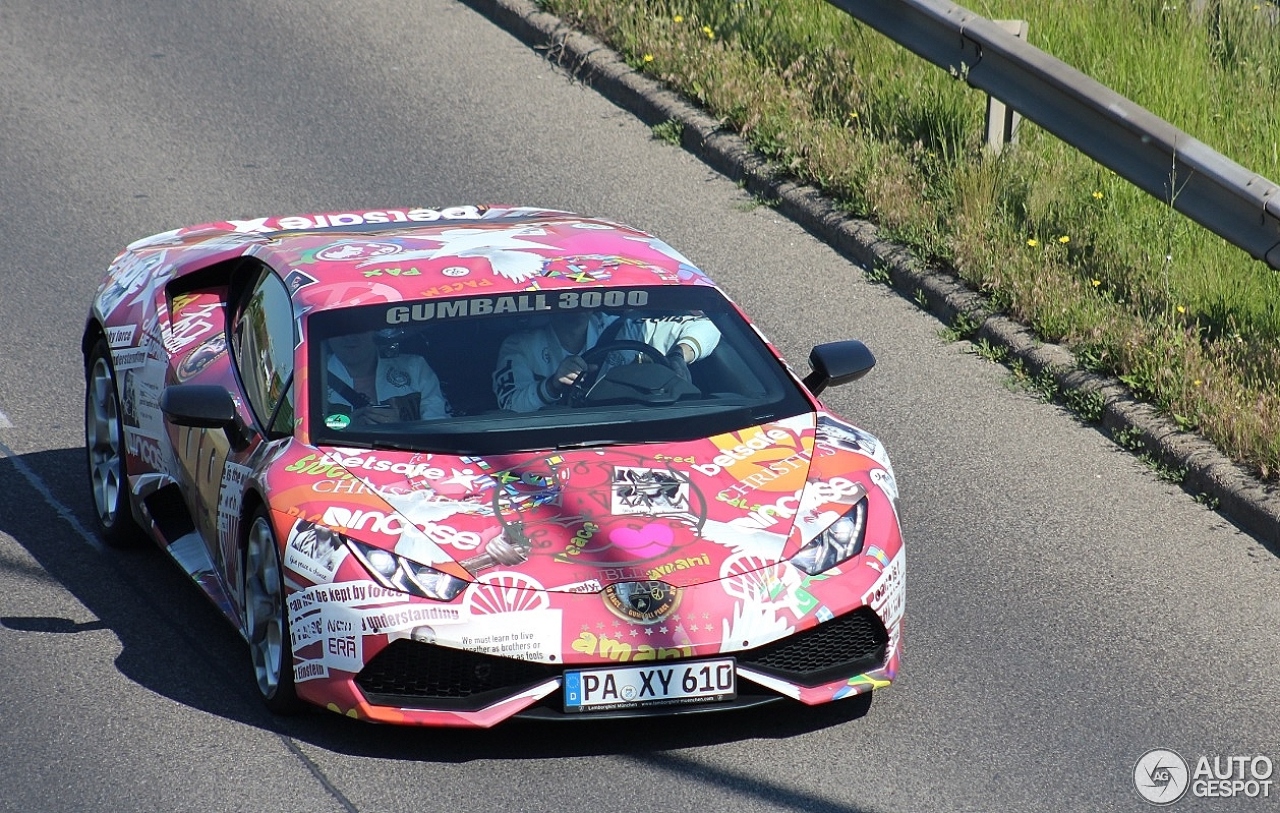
(645, 602)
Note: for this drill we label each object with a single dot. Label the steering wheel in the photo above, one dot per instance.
(578, 392)
(604, 348)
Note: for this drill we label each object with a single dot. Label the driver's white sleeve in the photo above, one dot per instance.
(517, 385)
(697, 332)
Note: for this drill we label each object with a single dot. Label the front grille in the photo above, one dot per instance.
(850, 644)
(411, 673)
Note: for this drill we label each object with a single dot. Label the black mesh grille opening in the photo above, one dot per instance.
(411, 673)
(852, 643)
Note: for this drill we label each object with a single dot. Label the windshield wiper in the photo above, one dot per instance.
(587, 444)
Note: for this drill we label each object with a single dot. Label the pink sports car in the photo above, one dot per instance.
(450, 466)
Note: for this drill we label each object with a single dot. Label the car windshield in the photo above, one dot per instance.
(541, 370)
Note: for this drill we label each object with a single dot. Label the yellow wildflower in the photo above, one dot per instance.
(1064, 239)
(706, 29)
(1097, 195)
(648, 58)
(1097, 282)
(1033, 242)
(1181, 309)
(679, 18)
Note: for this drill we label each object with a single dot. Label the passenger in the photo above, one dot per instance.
(538, 367)
(373, 389)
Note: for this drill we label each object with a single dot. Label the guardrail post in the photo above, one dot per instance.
(1002, 120)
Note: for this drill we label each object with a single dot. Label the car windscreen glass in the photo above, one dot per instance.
(485, 374)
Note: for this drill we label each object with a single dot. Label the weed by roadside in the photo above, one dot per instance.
(670, 131)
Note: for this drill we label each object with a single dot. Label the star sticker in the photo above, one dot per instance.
(465, 478)
(463, 242)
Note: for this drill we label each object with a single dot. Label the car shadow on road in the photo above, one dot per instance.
(173, 640)
(177, 644)
(534, 739)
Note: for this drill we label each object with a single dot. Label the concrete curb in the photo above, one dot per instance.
(1241, 498)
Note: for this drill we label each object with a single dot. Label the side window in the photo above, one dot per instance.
(263, 341)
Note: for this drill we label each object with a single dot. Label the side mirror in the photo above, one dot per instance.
(837, 363)
(203, 406)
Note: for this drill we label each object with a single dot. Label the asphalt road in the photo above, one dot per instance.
(1067, 610)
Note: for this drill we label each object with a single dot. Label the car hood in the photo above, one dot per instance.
(578, 520)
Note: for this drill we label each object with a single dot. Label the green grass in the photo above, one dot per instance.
(1055, 240)
(670, 131)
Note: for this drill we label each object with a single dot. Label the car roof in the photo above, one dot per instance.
(338, 259)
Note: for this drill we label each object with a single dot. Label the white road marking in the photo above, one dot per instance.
(54, 502)
(4, 421)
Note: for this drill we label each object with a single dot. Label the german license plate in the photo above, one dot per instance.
(625, 687)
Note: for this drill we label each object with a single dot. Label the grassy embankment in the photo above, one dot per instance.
(1187, 321)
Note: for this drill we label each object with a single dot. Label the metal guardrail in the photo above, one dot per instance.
(1240, 206)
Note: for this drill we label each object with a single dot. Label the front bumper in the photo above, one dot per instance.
(825, 639)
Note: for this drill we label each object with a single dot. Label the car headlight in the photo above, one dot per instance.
(840, 541)
(398, 573)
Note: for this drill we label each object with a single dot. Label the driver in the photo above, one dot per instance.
(380, 390)
(538, 367)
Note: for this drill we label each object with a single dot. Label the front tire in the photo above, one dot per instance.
(266, 617)
(104, 448)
